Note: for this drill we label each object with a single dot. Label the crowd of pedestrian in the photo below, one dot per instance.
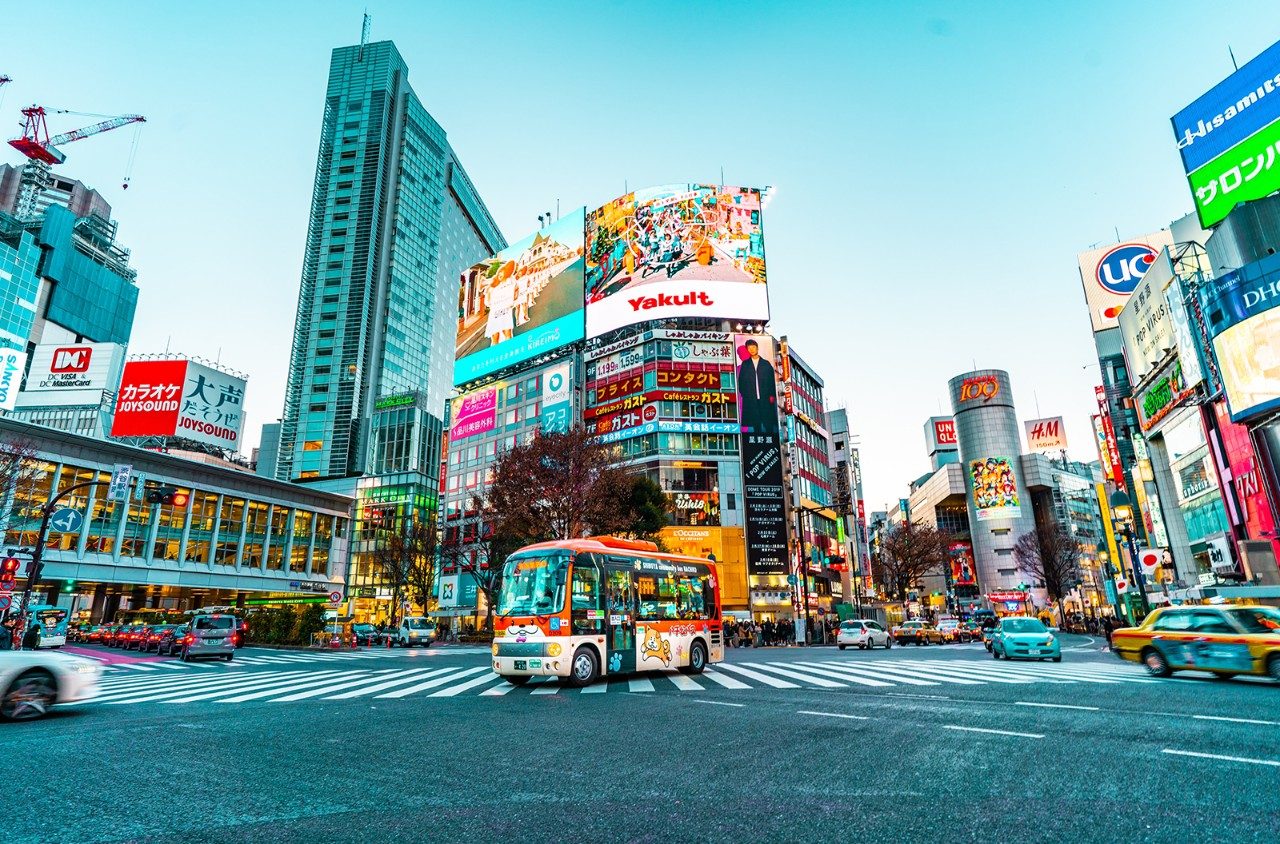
(744, 633)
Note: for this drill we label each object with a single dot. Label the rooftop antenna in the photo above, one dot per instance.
(364, 35)
(557, 208)
(1117, 228)
(722, 176)
(1036, 396)
(1234, 63)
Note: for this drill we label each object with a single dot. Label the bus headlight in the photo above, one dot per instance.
(495, 648)
(553, 649)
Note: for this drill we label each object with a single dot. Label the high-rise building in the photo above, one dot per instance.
(47, 188)
(394, 221)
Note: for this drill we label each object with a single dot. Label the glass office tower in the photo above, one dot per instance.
(394, 222)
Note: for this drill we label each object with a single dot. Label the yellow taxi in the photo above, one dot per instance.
(1224, 640)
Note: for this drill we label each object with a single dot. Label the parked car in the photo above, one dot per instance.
(117, 637)
(1023, 637)
(93, 636)
(212, 635)
(366, 634)
(1226, 641)
(863, 633)
(153, 634)
(242, 631)
(952, 631)
(136, 638)
(415, 630)
(973, 630)
(33, 681)
(172, 640)
(920, 632)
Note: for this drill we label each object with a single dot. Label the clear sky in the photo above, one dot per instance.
(937, 165)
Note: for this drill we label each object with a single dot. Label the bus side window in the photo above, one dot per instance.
(585, 614)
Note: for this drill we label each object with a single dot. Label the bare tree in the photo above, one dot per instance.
(909, 552)
(19, 470)
(1050, 556)
(404, 556)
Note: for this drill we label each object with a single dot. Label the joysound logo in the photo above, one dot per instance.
(1120, 270)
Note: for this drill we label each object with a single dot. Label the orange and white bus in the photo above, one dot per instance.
(586, 608)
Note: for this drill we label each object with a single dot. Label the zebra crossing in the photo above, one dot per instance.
(349, 681)
(257, 656)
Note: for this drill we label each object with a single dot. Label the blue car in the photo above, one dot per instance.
(1022, 637)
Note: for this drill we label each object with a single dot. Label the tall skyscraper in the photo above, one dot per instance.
(394, 222)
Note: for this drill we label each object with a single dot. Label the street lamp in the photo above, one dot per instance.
(1123, 511)
(1104, 560)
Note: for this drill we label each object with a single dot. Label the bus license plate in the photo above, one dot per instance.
(522, 665)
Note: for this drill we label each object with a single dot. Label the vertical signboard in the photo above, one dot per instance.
(963, 571)
(764, 507)
(557, 398)
(995, 489)
(12, 363)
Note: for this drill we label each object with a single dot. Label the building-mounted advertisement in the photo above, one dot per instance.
(995, 489)
(523, 302)
(940, 434)
(180, 398)
(474, 413)
(1046, 436)
(70, 374)
(1110, 274)
(764, 506)
(12, 362)
(1244, 324)
(1228, 138)
(676, 251)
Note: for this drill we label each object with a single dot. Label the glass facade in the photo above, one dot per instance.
(394, 221)
(19, 284)
(94, 294)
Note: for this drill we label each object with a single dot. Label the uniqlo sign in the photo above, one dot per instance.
(67, 359)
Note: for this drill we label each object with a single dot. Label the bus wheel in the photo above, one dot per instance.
(697, 659)
(584, 669)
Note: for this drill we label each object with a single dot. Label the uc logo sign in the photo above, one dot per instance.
(1123, 267)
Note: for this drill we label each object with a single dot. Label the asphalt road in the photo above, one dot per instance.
(913, 744)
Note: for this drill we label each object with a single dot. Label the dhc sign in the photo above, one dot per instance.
(1123, 267)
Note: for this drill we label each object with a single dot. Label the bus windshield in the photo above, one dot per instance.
(533, 584)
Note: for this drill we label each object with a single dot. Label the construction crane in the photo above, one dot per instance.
(36, 144)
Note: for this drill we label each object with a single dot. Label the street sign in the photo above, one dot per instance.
(66, 520)
(8, 584)
(335, 597)
(792, 580)
(6, 601)
(118, 490)
(140, 485)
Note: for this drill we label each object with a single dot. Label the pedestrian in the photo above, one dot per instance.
(31, 639)
(6, 637)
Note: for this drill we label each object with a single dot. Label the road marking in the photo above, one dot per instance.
(413, 675)
(174, 685)
(256, 690)
(719, 702)
(1236, 720)
(1056, 705)
(639, 684)
(462, 687)
(136, 666)
(599, 688)
(727, 682)
(684, 683)
(839, 674)
(755, 675)
(221, 685)
(992, 732)
(1273, 763)
(329, 687)
(431, 684)
(547, 687)
(778, 668)
(501, 689)
(866, 671)
(834, 715)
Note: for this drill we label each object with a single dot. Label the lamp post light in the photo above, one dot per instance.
(1104, 560)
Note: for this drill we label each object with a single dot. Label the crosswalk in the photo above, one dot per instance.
(348, 682)
(266, 657)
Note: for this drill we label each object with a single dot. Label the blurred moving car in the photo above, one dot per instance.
(33, 681)
(172, 640)
(920, 632)
(863, 633)
(415, 630)
(953, 632)
(210, 635)
(1225, 640)
(1023, 637)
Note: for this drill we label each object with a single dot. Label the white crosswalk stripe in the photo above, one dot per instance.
(346, 681)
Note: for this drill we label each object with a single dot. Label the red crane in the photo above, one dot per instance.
(36, 144)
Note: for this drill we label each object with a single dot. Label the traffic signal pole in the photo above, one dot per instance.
(37, 553)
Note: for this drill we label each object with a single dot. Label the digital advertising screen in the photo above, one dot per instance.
(675, 251)
(523, 302)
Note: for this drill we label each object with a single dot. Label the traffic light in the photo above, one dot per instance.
(167, 495)
(68, 587)
(9, 568)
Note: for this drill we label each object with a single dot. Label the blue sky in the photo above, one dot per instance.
(937, 165)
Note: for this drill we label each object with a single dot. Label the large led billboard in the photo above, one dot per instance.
(675, 251)
(523, 302)
(179, 398)
(1242, 310)
(1229, 138)
(1110, 274)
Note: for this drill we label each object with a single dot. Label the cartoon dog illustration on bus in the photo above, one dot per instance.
(655, 647)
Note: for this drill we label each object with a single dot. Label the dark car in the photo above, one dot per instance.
(92, 635)
(136, 638)
(366, 634)
(171, 640)
(242, 632)
(118, 636)
(152, 636)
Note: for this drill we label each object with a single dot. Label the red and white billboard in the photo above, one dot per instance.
(940, 434)
(179, 398)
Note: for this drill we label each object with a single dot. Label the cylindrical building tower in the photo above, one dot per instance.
(990, 452)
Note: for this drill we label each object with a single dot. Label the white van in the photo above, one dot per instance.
(416, 630)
